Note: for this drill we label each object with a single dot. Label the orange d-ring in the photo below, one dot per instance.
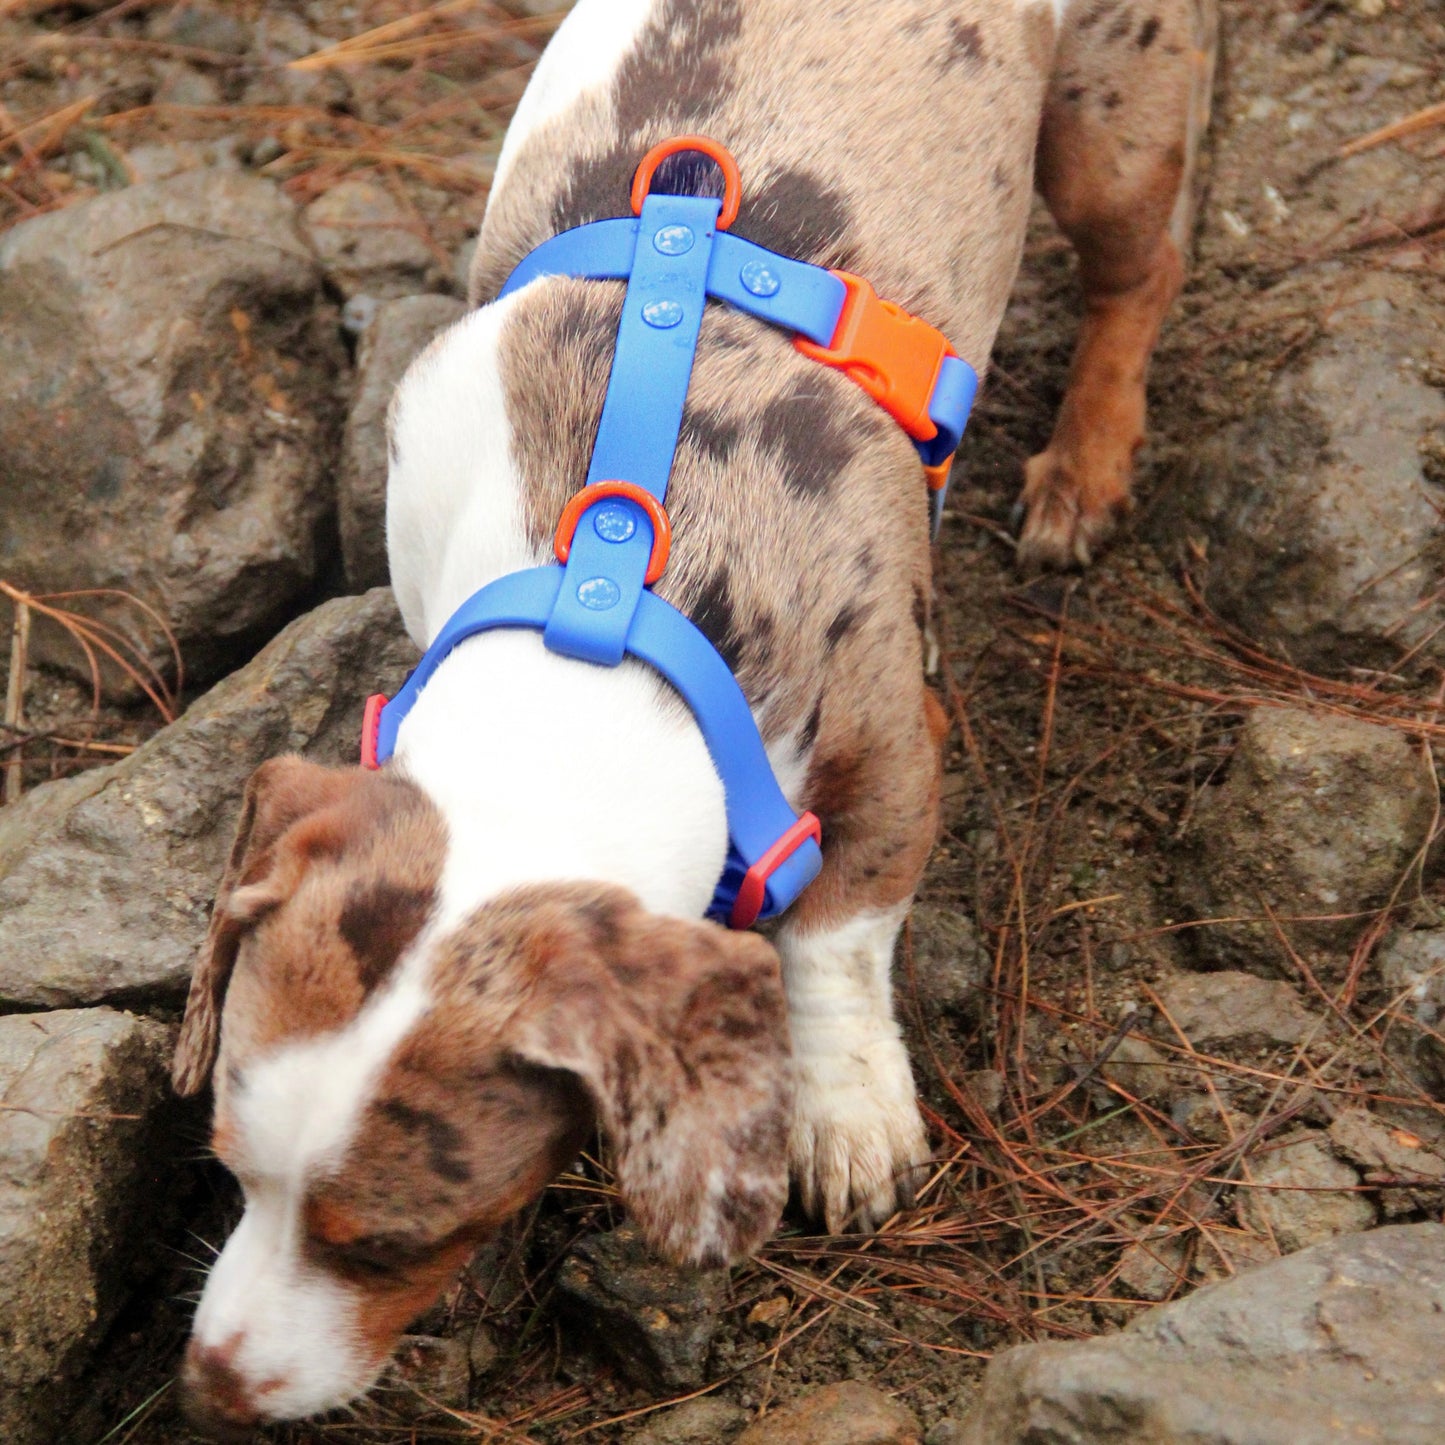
(596, 492)
(732, 180)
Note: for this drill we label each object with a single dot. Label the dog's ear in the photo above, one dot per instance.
(281, 793)
(678, 1031)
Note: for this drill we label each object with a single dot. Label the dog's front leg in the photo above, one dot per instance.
(857, 1139)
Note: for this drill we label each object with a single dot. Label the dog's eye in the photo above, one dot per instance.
(376, 1259)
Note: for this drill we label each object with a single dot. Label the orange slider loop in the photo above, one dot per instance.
(599, 491)
(893, 355)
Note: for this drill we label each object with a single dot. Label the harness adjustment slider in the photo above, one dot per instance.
(894, 356)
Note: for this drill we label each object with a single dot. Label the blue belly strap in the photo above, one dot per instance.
(613, 538)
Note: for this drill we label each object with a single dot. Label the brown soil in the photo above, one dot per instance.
(1089, 715)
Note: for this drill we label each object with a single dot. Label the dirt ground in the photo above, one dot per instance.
(1089, 714)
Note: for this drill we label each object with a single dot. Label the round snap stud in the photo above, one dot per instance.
(614, 523)
(674, 240)
(597, 594)
(760, 278)
(662, 314)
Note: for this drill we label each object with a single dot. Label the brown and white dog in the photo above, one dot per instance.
(438, 980)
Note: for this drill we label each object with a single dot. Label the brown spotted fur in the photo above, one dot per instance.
(894, 138)
(561, 1005)
(297, 938)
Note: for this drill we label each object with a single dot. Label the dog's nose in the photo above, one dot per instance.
(213, 1395)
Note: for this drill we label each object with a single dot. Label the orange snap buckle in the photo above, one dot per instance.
(937, 477)
(732, 179)
(890, 353)
(753, 891)
(599, 491)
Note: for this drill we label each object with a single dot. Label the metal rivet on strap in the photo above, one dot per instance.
(614, 523)
(662, 314)
(674, 240)
(760, 278)
(599, 593)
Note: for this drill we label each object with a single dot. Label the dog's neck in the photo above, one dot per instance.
(550, 769)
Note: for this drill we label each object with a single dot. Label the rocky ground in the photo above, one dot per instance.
(1175, 985)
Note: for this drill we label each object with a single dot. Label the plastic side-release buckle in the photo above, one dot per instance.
(893, 355)
(752, 892)
(371, 730)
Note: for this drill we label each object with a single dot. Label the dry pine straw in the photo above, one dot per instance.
(1021, 1230)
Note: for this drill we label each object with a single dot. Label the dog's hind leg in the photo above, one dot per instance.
(857, 1140)
(1126, 106)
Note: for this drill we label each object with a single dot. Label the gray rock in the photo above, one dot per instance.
(1320, 815)
(1302, 1194)
(167, 410)
(184, 85)
(84, 1171)
(160, 160)
(365, 240)
(1412, 969)
(656, 1320)
(1235, 1008)
(945, 1432)
(951, 969)
(436, 1373)
(1339, 1342)
(198, 27)
(1324, 539)
(1412, 1176)
(394, 335)
(1138, 1068)
(851, 1413)
(1155, 1266)
(707, 1421)
(106, 879)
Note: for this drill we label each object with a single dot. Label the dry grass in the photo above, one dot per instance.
(1119, 703)
(59, 746)
(1045, 1205)
(419, 71)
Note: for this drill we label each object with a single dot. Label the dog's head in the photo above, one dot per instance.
(389, 1091)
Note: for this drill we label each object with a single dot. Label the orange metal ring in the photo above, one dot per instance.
(732, 179)
(596, 492)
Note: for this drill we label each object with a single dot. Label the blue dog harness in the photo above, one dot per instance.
(613, 538)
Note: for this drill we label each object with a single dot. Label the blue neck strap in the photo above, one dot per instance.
(598, 606)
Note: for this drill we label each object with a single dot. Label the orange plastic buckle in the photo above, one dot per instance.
(753, 890)
(937, 477)
(598, 491)
(370, 728)
(732, 178)
(889, 352)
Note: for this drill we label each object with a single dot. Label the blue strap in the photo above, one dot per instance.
(794, 295)
(641, 417)
(948, 409)
(787, 293)
(758, 813)
(597, 608)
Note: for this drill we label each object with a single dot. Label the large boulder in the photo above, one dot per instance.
(1338, 1342)
(1311, 437)
(1320, 507)
(1318, 820)
(396, 333)
(106, 879)
(168, 411)
(84, 1176)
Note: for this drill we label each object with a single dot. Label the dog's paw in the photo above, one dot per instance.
(1070, 511)
(857, 1141)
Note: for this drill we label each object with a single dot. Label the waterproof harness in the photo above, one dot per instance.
(613, 537)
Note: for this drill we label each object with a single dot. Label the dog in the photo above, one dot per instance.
(423, 988)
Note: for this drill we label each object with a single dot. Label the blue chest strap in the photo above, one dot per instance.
(614, 535)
